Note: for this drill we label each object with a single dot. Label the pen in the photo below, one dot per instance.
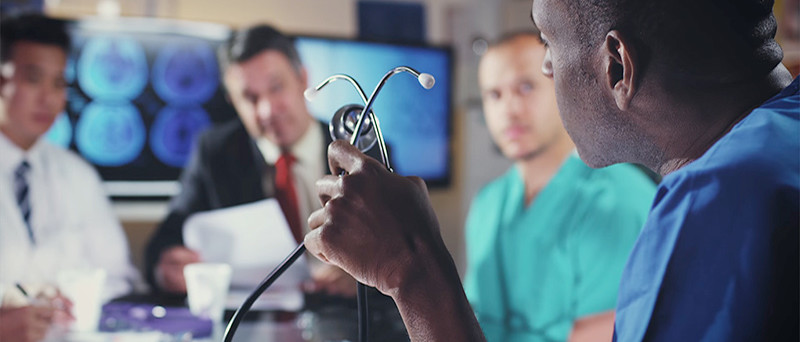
(28, 296)
(22, 290)
(37, 300)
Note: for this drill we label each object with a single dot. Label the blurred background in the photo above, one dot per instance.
(444, 138)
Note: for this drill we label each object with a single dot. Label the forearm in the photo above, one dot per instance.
(434, 307)
(168, 234)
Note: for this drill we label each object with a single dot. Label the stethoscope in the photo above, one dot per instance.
(348, 120)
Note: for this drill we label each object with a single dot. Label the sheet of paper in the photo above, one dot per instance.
(253, 238)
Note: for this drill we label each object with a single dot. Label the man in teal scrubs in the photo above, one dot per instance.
(547, 241)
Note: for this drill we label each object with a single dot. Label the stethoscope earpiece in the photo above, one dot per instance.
(348, 119)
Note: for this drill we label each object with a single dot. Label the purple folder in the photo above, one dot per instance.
(123, 316)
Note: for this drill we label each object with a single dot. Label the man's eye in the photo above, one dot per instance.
(544, 41)
(250, 97)
(274, 88)
(61, 83)
(525, 87)
(33, 77)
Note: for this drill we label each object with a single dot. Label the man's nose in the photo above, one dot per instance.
(263, 108)
(53, 97)
(512, 105)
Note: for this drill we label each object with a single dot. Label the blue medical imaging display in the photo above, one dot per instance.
(415, 121)
(186, 73)
(141, 90)
(112, 68)
(171, 136)
(110, 134)
(61, 131)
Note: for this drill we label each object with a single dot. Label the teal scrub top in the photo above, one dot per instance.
(533, 271)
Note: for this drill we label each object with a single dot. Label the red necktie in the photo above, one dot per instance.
(286, 195)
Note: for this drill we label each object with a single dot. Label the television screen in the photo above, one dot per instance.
(416, 123)
(141, 90)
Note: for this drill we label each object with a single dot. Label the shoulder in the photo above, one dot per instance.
(222, 135)
(499, 187)
(67, 159)
(626, 178)
(69, 165)
(616, 188)
(493, 197)
(759, 156)
(608, 204)
(223, 131)
(749, 178)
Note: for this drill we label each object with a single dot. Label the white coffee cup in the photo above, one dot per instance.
(84, 288)
(206, 288)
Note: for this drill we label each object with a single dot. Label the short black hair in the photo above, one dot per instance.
(247, 43)
(32, 27)
(721, 40)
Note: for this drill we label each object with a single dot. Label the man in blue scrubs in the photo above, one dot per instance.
(693, 89)
(547, 240)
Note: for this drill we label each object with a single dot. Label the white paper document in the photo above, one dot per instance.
(253, 238)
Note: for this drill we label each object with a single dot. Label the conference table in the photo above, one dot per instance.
(322, 319)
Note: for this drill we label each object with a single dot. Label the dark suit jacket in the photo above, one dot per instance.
(226, 169)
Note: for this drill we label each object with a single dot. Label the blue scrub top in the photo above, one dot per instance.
(718, 257)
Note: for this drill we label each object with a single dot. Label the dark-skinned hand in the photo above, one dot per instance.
(376, 225)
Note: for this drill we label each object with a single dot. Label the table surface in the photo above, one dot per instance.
(323, 319)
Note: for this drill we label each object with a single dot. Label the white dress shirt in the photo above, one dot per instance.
(71, 218)
(309, 166)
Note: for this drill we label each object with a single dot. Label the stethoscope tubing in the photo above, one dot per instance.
(361, 291)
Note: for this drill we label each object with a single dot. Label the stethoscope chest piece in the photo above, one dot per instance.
(344, 122)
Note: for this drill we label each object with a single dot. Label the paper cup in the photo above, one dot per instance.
(206, 289)
(84, 287)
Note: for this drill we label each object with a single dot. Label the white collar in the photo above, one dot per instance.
(13, 154)
(306, 150)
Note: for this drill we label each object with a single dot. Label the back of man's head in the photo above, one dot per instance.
(702, 40)
(34, 28)
(246, 43)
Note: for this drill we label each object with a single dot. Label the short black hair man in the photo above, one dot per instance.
(54, 214)
(693, 89)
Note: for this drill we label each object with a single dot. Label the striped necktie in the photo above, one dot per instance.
(23, 195)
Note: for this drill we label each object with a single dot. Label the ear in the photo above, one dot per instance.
(6, 72)
(303, 77)
(621, 66)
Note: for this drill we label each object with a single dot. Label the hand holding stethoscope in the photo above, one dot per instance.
(363, 131)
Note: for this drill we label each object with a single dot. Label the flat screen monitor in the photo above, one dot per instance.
(416, 123)
(141, 90)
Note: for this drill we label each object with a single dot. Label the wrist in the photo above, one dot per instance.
(431, 300)
(426, 261)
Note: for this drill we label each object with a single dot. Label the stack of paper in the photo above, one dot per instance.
(253, 238)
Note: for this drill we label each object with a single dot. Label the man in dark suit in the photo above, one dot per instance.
(276, 149)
